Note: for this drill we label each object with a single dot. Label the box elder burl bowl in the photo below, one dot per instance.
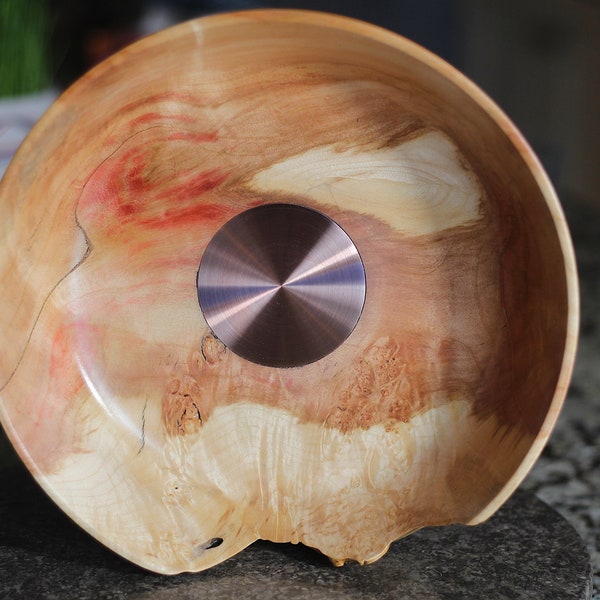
(279, 275)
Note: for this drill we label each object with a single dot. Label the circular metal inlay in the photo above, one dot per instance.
(281, 285)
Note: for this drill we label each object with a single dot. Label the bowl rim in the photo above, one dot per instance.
(420, 54)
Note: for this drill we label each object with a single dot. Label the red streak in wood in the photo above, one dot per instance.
(183, 204)
(50, 433)
(65, 384)
(155, 117)
(134, 188)
(202, 214)
(197, 185)
(135, 181)
(189, 136)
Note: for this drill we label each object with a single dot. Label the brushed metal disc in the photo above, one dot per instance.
(281, 285)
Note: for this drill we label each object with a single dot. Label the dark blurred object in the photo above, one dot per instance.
(194, 8)
(541, 62)
(433, 24)
(88, 31)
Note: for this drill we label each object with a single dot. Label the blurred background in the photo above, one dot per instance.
(539, 60)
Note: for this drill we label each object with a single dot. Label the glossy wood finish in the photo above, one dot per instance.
(168, 447)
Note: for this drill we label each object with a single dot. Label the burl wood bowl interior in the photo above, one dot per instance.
(172, 449)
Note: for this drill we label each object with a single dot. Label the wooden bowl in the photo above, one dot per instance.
(174, 451)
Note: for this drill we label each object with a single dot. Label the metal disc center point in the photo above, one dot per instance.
(281, 285)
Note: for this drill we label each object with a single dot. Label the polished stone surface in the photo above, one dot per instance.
(526, 550)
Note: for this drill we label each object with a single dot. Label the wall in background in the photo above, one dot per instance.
(541, 62)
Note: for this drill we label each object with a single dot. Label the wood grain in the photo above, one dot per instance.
(154, 436)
